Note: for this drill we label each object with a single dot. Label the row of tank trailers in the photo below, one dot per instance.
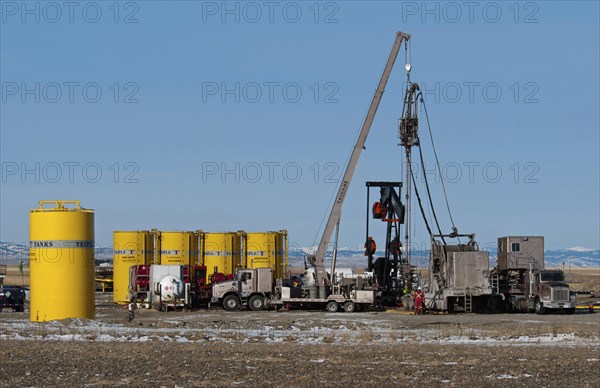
(459, 279)
(196, 257)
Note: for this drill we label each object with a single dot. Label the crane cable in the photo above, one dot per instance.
(420, 203)
(437, 161)
(429, 193)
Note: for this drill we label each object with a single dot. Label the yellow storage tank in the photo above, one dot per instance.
(129, 248)
(221, 252)
(61, 254)
(267, 250)
(178, 248)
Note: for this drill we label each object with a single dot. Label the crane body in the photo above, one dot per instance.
(317, 260)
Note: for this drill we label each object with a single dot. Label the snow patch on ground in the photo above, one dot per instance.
(506, 376)
(330, 331)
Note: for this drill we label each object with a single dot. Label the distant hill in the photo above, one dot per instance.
(11, 253)
(577, 257)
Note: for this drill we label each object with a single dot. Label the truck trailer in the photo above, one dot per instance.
(166, 287)
(255, 289)
(523, 283)
(460, 278)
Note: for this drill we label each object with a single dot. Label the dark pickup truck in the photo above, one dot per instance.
(12, 297)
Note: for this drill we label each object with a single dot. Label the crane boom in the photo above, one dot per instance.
(318, 260)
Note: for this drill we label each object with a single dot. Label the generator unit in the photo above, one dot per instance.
(169, 287)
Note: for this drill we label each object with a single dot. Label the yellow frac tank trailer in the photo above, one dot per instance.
(178, 248)
(220, 252)
(61, 256)
(266, 250)
(129, 248)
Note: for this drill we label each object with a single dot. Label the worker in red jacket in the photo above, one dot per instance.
(419, 301)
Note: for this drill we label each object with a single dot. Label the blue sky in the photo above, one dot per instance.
(226, 116)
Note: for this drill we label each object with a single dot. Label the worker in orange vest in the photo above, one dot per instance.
(370, 247)
(419, 301)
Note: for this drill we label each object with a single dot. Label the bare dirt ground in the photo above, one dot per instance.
(14, 278)
(263, 365)
(584, 279)
(303, 348)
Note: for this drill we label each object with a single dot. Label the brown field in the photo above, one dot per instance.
(314, 349)
(13, 277)
(585, 279)
(212, 347)
(29, 363)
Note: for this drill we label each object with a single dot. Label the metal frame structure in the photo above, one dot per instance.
(392, 272)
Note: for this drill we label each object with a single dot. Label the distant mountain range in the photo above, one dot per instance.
(555, 258)
(11, 253)
(576, 257)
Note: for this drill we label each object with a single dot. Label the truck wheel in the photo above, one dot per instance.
(256, 303)
(570, 311)
(349, 307)
(539, 307)
(332, 306)
(231, 303)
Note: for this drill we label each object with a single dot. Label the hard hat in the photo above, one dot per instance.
(419, 288)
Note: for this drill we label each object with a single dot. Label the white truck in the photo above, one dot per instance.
(545, 290)
(254, 288)
(523, 282)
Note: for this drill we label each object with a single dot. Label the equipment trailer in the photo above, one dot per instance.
(460, 279)
(523, 283)
(254, 288)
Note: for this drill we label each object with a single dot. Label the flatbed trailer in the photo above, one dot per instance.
(357, 300)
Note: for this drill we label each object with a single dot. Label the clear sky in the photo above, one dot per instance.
(183, 115)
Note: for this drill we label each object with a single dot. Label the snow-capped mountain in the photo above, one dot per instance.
(11, 253)
(576, 257)
(555, 258)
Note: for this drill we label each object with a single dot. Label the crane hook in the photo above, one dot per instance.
(408, 66)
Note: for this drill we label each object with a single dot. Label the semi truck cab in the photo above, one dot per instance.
(548, 290)
(250, 287)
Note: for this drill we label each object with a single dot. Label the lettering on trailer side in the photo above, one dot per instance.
(62, 244)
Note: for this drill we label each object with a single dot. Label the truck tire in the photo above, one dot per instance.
(349, 307)
(570, 311)
(231, 303)
(539, 307)
(256, 303)
(332, 306)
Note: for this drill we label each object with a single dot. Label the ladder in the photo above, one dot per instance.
(494, 281)
(468, 303)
